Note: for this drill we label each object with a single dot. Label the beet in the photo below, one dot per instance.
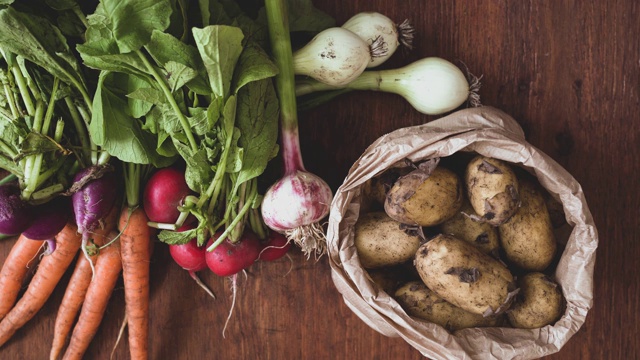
(14, 212)
(49, 218)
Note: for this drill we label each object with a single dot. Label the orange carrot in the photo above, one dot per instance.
(135, 250)
(77, 288)
(108, 267)
(14, 271)
(49, 272)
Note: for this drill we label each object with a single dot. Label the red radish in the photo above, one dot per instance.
(14, 212)
(192, 258)
(230, 258)
(296, 203)
(189, 256)
(164, 193)
(276, 246)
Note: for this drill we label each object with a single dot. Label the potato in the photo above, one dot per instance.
(382, 241)
(418, 301)
(374, 190)
(539, 303)
(465, 276)
(492, 189)
(465, 227)
(527, 238)
(390, 277)
(425, 197)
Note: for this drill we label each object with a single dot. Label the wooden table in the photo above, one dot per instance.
(568, 71)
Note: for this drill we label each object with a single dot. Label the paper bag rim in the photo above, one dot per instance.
(490, 132)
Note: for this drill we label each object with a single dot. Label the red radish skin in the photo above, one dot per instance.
(276, 246)
(163, 193)
(229, 258)
(192, 258)
(189, 256)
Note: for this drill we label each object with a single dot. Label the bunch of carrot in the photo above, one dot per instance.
(88, 292)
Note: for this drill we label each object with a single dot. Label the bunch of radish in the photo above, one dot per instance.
(164, 195)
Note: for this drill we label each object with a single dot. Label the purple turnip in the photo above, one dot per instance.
(95, 191)
(14, 212)
(94, 197)
(49, 218)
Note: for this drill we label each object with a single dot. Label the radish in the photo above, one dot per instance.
(192, 258)
(275, 247)
(230, 258)
(14, 212)
(164, 194)
(296, 203)
(94, 194)
(49, 219)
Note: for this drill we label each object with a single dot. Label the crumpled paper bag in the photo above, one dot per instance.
(491, 132)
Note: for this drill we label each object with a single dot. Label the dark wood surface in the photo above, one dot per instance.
(568, 71)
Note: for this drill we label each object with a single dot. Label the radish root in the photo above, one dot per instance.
(310, 238)
(234, 291)
(196, 278)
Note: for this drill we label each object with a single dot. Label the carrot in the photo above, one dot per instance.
(135, 250)
(77, 288)
(108, 267)
(52, 267)
(14, 271)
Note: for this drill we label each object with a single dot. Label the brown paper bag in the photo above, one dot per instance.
(489, 132)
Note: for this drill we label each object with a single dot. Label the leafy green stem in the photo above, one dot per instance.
(30, 161)
(80, 14)
(7, 149)
(232, 225)
(80, 126)
(15, 113)
(7, 179)
(52, 102)
(52, 170)
(172, 101)
(24, 90)
(132, 176)
(278, 24)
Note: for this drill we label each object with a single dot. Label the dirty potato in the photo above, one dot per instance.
(374, 190)
(389, 278)
(466, 227)
(465, 276)
(539, 303)
(418, 301)
(425, 197)
(382, 241)
(492, 189)
(527, 238)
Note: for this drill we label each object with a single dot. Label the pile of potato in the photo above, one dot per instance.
(463, 242)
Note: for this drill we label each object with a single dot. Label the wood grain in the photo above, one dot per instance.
(568, 71)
